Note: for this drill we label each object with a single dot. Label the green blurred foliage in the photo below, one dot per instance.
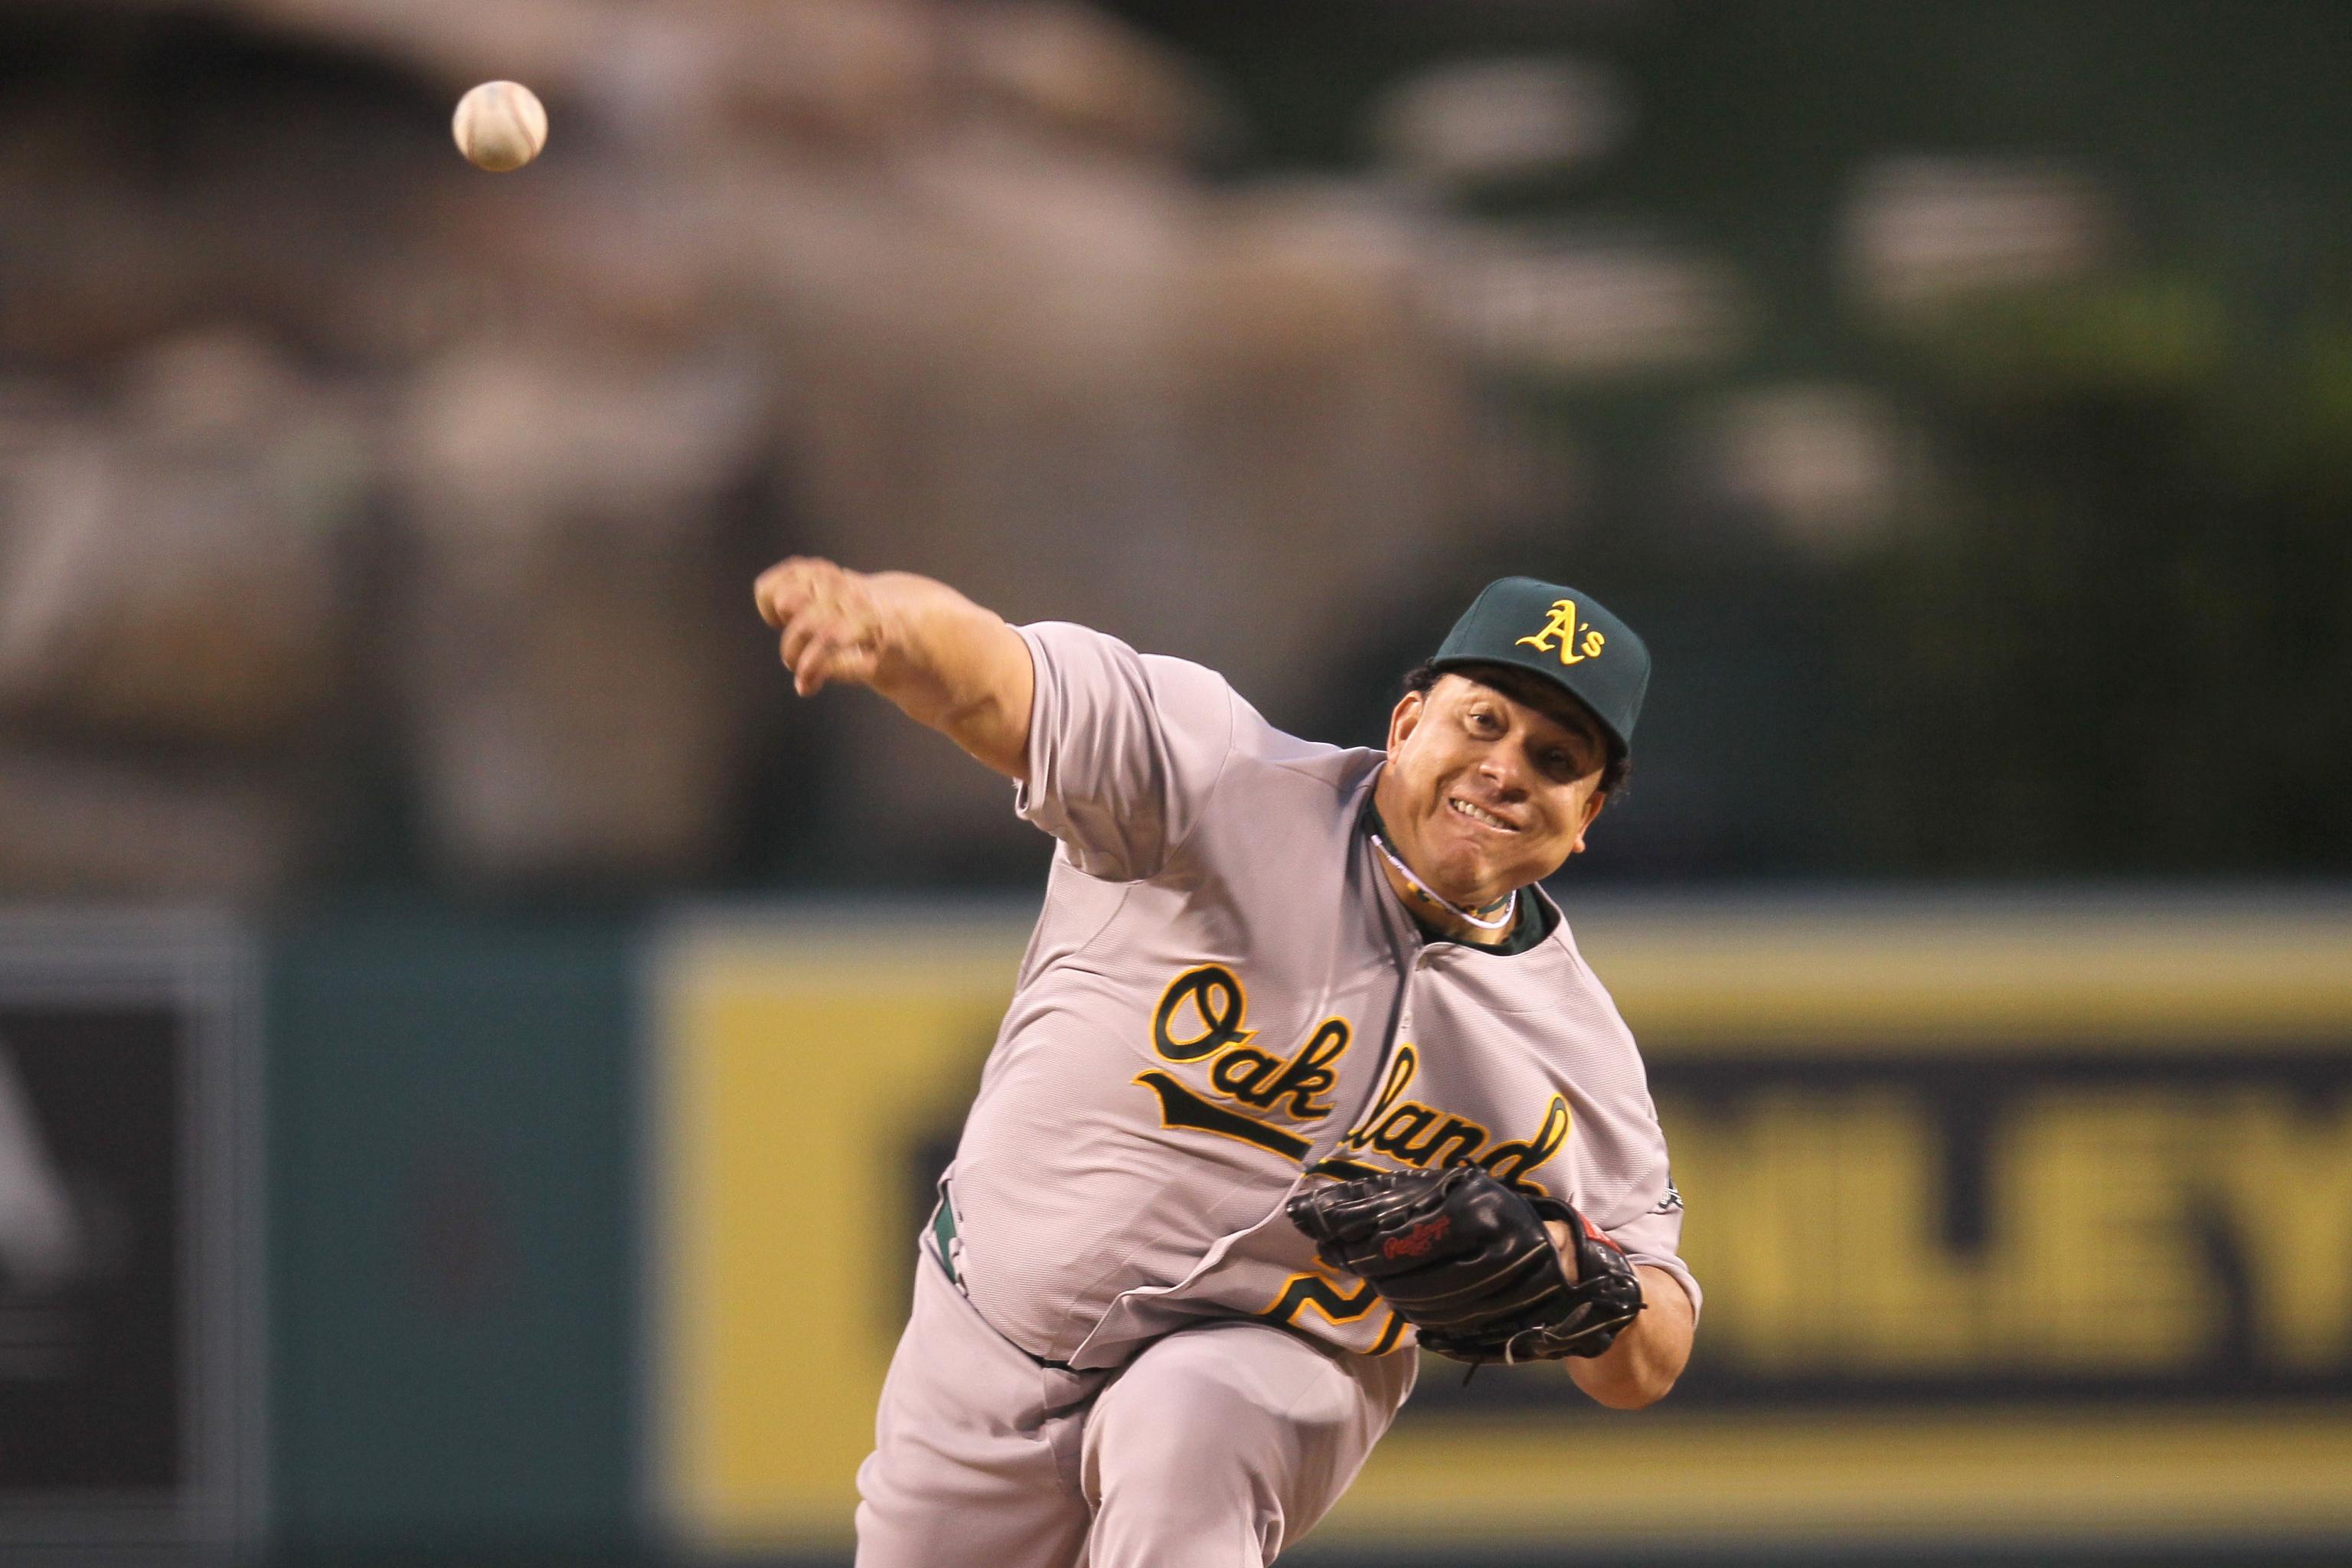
(2107, 632)
(2118, 639)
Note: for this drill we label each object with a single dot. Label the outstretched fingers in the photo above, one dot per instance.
(782, 589)
(825, 619)
(825, 659)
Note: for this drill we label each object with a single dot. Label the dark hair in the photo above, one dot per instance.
(1536, 692)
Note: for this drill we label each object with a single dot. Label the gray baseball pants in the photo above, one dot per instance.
(1214, 1447)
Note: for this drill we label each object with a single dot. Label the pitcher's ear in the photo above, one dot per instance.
(1405, 717)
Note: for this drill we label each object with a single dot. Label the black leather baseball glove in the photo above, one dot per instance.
(1467, 1260)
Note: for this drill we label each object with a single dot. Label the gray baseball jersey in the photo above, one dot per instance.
(1222, 996)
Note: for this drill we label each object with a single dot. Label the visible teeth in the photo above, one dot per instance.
(1478, 813)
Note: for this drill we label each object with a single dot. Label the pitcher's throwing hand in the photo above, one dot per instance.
(948, 663)
(832, 621)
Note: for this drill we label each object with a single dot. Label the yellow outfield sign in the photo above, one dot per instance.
(2000, 1478)
(2027, 1222)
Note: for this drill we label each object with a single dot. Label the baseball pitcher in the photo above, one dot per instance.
(1302, 1071)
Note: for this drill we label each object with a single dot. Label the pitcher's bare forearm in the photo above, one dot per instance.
(944, 660)
(1650, 1351)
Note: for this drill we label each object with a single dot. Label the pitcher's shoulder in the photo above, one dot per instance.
(1569, 984)
(1277, 755)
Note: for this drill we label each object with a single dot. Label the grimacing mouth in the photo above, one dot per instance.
(1479, 814)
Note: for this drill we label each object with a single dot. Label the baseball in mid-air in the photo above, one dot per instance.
(499, 125)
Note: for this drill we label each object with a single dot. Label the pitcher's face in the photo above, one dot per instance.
(1484, 792)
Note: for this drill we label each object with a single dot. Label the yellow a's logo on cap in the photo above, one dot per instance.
(1561, 624)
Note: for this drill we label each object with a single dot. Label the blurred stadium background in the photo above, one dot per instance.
(421, 979)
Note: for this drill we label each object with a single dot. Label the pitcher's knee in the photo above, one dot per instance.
(1228, 1521)
(1217, 1446)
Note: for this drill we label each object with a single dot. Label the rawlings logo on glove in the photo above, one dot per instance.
(1467, 1261)
(1416, 1241)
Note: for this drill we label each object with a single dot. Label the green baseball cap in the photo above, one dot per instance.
(1551, 631)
